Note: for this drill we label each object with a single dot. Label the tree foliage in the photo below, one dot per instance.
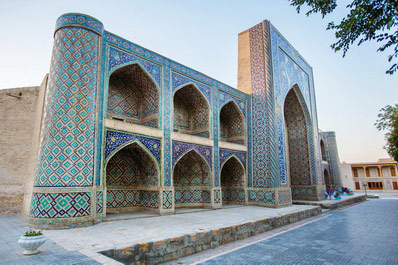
(367, 20)
(388, 121)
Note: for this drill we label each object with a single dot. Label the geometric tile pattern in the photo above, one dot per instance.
(299, 160)
(67, 151)
(167, 125)
(73, 19)
(132, 198)
(217, 196)
(119, 58)
(60, 205)
(99, 202)
(133, 95)
(180, 148)
(131, 166)
(167, 199)
(232, 174)
(192, 196)
(191, 170)
(225, 98)
(179, 80)
(115, 139)
(285, 196)
(232, 125)
(225, 154)
(303, 193)
(261, 196)
(330, 153)
(265, 170)
(233, 195)
(191, 112)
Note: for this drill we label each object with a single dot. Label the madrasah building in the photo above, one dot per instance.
(118, 128)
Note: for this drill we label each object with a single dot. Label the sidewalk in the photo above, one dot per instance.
(334, 204)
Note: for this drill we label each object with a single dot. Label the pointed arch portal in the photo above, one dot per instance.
(327, 179)
(232, 124)
(192, 180)
(297, 139)
(130, 174)
(191, 112)
(232, 181)
(133, 96)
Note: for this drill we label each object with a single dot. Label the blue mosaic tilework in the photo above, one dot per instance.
(132, 198)
(60, 205)
(119, 58)
(261, 196)
(179, 80)
(99, 202)
(291, 70)
(264, 147)
(167, 199)
(304, 193)
(281, 146)
(285, 196)
(329, 139)
(167, 128)
(192, 196)
(67, 151)
(180, 149)
(233, 195)
(217, 196)
(225, 154)
(224, 98)
(115, 139)
(80, 20)
(249, 144)
(216, 133)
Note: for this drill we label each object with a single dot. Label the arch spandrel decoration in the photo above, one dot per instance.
(226, 154)
(180, 149)
(310, 140)
(117, 140)
(225, 98)
(178, 81)
(118, 59)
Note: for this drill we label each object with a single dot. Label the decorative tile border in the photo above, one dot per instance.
(225, 154)
(60, 205)
(180, 149)
(192, 196)
(115, 139)
(261, 196)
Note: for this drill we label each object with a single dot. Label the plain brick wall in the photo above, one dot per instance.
(17, 118)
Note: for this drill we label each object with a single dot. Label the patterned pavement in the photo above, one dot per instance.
(364, 234)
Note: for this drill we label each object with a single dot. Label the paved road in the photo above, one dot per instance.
(363, 234)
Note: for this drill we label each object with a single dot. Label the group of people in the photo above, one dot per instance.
(337, 192)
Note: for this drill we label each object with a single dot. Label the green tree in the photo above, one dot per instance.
(388, 121)
(366, 20)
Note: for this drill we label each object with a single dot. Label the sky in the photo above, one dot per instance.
(202, 35)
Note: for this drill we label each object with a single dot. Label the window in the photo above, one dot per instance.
(375, 185)
(367, 173)
(392, 171)
(355, 170)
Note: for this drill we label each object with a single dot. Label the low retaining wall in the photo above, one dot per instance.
(333, 204)
(156, 252)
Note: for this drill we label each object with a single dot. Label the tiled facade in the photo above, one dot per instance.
(126, 129)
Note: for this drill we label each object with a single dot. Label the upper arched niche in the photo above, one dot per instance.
(133, 96)
(323, 151)
(297, 139)
(232, 124)
(191, 112)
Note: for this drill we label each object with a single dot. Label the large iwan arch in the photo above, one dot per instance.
(233, 181)
(133, 96)
(298, 155)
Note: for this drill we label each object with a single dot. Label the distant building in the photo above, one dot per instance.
(380, 175)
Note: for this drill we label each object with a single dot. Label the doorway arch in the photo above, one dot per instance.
(233, 181)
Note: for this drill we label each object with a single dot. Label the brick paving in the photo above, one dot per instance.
(364, 234)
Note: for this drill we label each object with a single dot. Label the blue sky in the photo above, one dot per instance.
(203, 35)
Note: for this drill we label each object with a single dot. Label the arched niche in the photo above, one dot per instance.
(327, 179)
(233, 181)
(130, 177)
(192, 181)
(297, 139)
(191, 112)
(133, 96)
(323, 151)
(232, 124)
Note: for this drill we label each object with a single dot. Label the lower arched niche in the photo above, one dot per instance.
(192, 182)
(232, 182)
(132, 181)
